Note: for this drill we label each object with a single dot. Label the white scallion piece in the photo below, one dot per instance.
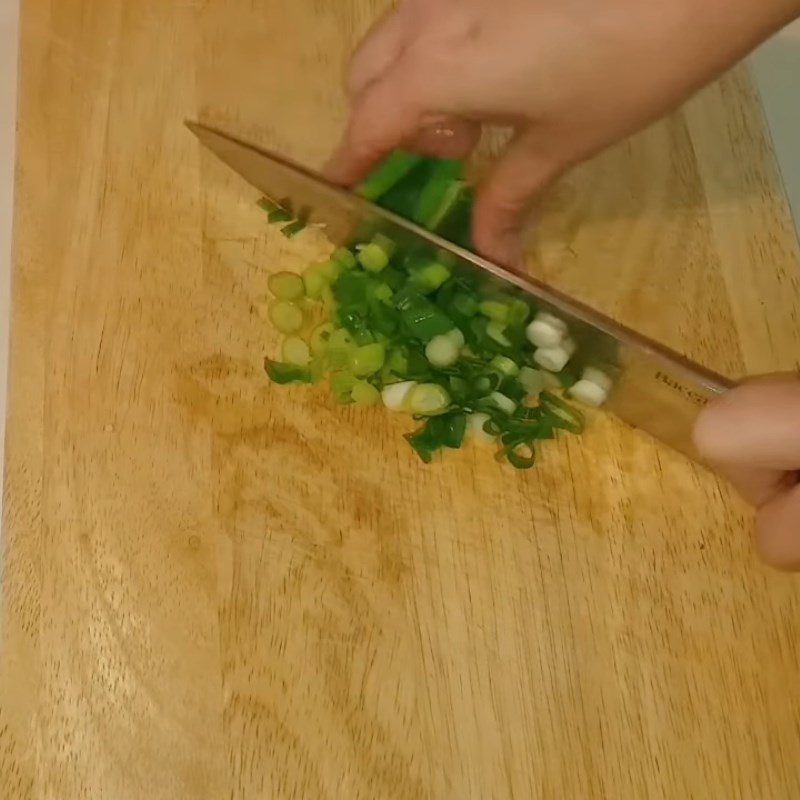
(546, 331)
(428, 399)
(555, 359)
(395, 395)
(588, 393)
(599, 377)
(503, 402)
(442, 350)
(475, 423)
(553, 320)
(532, 380)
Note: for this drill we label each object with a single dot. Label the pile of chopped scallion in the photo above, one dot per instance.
(466, 358)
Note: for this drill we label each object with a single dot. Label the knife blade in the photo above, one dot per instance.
(655, 389)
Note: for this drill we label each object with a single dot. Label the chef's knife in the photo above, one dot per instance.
(655, 389)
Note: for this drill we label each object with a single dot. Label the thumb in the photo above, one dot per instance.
(504, 198)
(757, 424)
(752, 435)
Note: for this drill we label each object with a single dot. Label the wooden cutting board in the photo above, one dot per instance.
(217, 588)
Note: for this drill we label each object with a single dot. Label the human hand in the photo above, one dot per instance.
(752, 436)
(571, 76)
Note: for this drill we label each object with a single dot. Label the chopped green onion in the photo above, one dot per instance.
(397, 362)
(421, 333)
(373, 257)
(342, 385)
(454, 429)
(383, 292)
(352, 289)
(423, 442)
(505, 366)
(562, 414)
(486, 384)
(428, 399)
(518, 312)
(279, 372)
(513, 388)
(422, 318)
(494, 310)
(344, 257)
(328, 300)
(317, 368)
(338, 359)
(438, 432)
(456, 337)
(502, 402)
(315, 280)
(442, 351)
(588, 393)
(459, 390)
(286, 285)
(429, 276)
(340, 339)
(387, 244)
(293, 228)
(497, 332)
(367, 360)
(320, 338)
(395, 395)
(394, 278)
(598, 377)
(365, 394)
(554, 359)
(296, 351)
(278, 215)
(521, 455)
(266, 204)
(340, 349)
(465, 304)
(532, 380)
(550, 381)
(477, 429)
(286, 316)
(332, 270)
(546, 331)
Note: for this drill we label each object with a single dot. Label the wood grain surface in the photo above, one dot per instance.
(214, 588)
